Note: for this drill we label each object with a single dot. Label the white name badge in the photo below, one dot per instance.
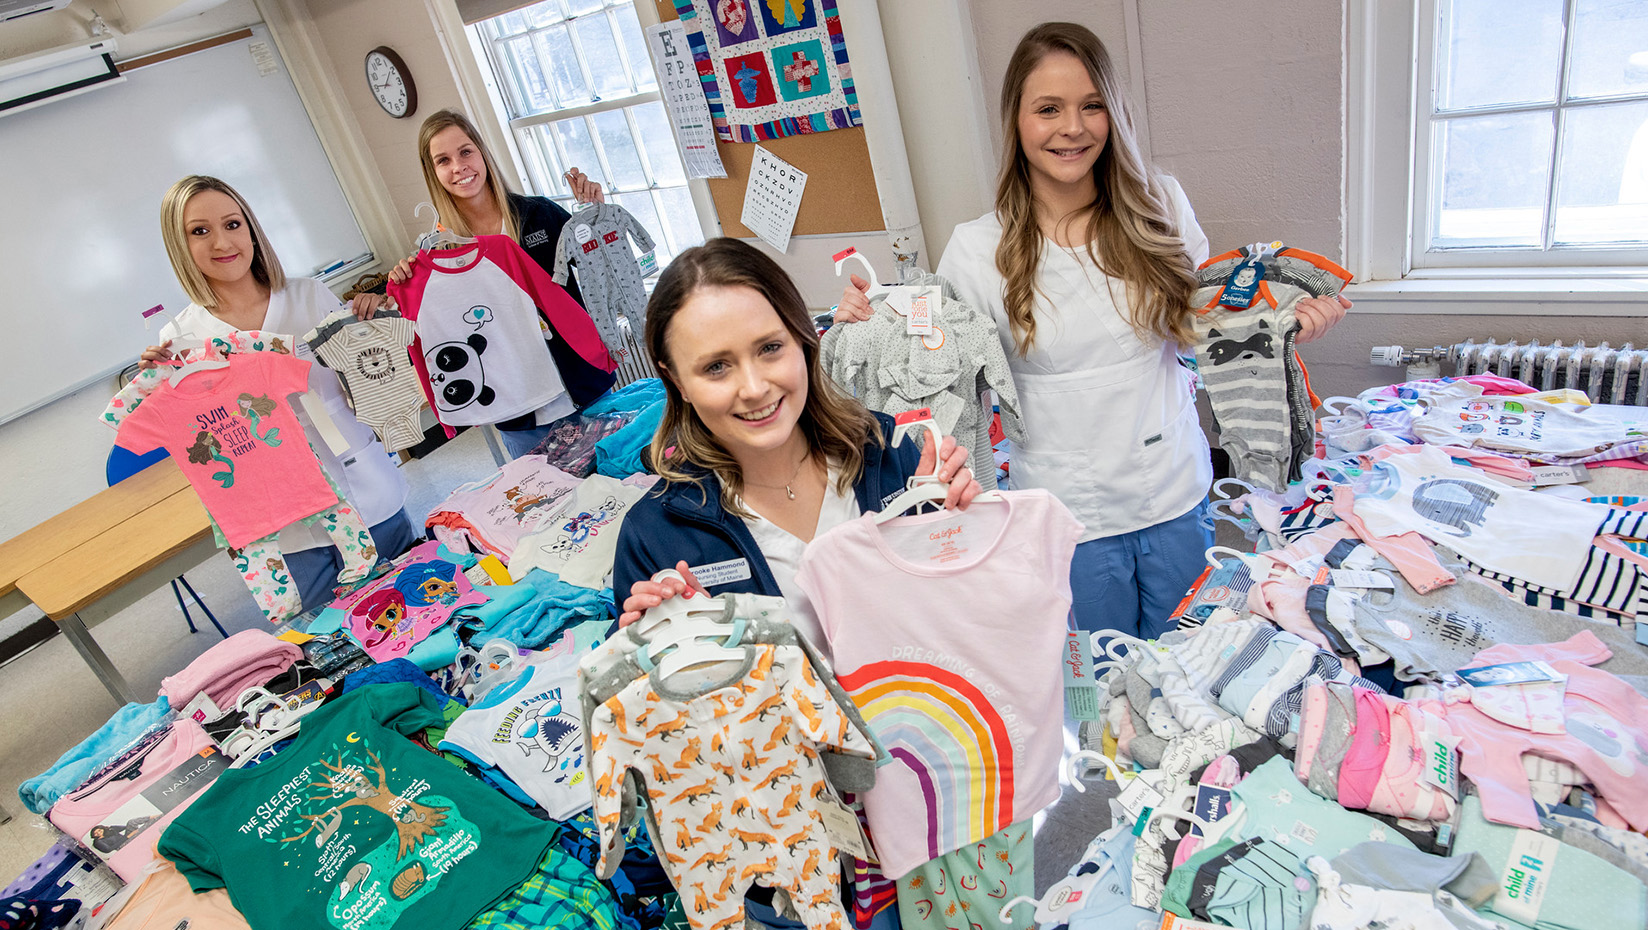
(721, 572)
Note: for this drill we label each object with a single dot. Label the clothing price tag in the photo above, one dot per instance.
(1527, 873)
(1350, 578)
(648, 262)
(1442, 764)
(1172, 921)
(842, 827)
(1510, 673)
(1138, 796)
(202, 709)
(1081, 695)
(919, 306)
(1560, 474)
(1212, 803)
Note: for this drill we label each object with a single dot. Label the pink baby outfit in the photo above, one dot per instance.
(233, 432)
(1401, 789)
(1369, 747)
(494, 514)
(954, 616)
(1607, 735)
(121, 815)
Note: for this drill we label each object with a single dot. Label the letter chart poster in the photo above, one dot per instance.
(771, 68)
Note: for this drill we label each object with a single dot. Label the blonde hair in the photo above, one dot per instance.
(266, 268)
(1131, 233)
(836, 425)
(451, 218)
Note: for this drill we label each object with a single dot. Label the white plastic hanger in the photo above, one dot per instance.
(496, 662)
(1074, 768)
(1168, 813)
(268, 721)
(206, 363)
(688, 631)
(925, 489)
(438, 235)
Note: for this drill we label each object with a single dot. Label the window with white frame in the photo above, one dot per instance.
(581, 93)
(1530, 134)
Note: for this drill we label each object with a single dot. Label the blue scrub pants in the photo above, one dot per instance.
(1131, 582)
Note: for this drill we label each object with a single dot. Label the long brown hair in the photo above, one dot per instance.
(1131, 233)
(836, 426)
(442, 120)
(266, 268)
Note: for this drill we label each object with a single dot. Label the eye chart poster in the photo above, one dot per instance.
(683, 92)
(772, 198)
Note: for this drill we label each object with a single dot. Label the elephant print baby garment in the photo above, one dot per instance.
(233, 432)
(1540, 539)
(530, 729)
(734, 781)
(397, 611)
(356, 827)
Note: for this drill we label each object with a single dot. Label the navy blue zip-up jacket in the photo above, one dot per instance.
(676, 522)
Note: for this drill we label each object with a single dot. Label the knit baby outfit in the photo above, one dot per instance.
(1244, 354)
(608, 273)
(370, 357)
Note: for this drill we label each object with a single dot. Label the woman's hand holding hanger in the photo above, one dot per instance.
(154, 355)
(585, 190)
(1317, 315)
(854, 306)
(644, 595)
(366, 306)
(952, 470)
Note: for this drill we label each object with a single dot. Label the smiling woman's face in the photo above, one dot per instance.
(1063, 124)
(458, 162)
(220, 240)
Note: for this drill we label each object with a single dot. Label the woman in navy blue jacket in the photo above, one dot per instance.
(758, 450)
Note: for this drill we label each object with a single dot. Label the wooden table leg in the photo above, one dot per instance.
(75, 629)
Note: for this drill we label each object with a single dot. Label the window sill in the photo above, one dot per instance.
(1511, 292)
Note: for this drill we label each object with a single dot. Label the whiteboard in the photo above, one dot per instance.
(80, 234)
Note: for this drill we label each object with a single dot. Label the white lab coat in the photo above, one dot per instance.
(1110, 418)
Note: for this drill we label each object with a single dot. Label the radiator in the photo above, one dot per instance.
(633, 363)
(1606, 374)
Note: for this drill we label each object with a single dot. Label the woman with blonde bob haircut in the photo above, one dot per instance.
(469, 193)
(227, 266)
(758, 450)
(1087, 264)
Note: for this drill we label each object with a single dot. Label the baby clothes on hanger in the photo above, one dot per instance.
(892, 371)
(608, 274)
(491, 515)
(370, 357)
(879, 593)
(1245, 327)
(730, 764)
(483, 313)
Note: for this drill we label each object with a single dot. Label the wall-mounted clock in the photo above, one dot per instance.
(391, 82)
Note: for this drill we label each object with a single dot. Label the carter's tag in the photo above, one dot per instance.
(649, 263)
(1081, 696)
(922, 303)
(1137, 797)
(1527, 874)
(1350, 578)
(1243, 285)
(721, 572)
(842, 827)
(1560, 474)
(1442, 764)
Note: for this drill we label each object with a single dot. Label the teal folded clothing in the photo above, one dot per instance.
(72, 768)
(624, 453)
(534, 610)
(1547, 884)
(636, 395)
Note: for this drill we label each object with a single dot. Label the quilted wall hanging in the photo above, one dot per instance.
(771, 68)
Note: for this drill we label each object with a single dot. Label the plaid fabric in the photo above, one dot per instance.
(562, 893)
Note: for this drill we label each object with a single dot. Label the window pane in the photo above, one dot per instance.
(509, 23)
(583, 6)
(619, 147)
(543, 164)
(573, 137)
(542, 14)
(1498, 51)
(1610, 48)
(601, 54)
(1602, 192)
(659, 144)
(555, 48)
(635, 47)
(640, 204)
(1493, 172)
(680, 220)
(534, 90)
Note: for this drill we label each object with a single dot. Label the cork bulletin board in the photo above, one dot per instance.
(841, 193)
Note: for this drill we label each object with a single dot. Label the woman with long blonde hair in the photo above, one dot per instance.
(1087, 264)
(469, 193)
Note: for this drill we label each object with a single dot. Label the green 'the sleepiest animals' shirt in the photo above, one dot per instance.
(355, 827)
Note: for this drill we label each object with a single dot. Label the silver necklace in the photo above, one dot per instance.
(788, 490)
